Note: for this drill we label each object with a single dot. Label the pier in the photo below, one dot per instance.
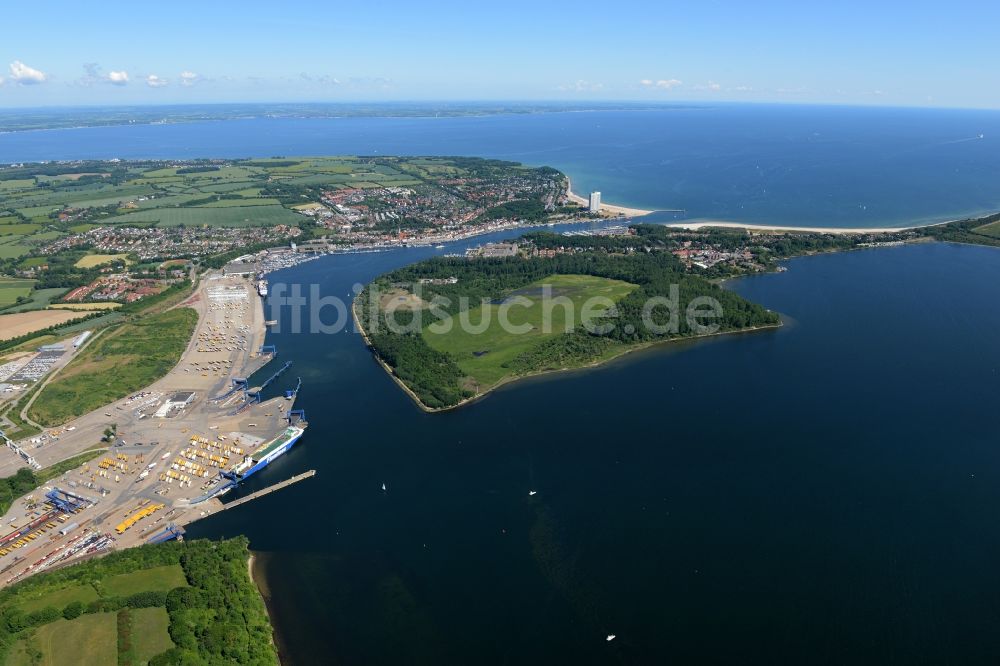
(270, 489)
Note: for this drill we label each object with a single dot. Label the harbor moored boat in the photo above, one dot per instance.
(255, 461)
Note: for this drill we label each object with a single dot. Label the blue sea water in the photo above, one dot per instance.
(792, 165)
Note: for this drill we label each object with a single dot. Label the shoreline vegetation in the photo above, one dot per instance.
(439, 373)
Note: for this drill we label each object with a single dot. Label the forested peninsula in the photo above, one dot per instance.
(614, 279)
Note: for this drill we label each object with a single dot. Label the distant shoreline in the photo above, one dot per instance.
(765, 228)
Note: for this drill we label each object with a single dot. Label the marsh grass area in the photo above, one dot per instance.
(485, 356)
(123, 360)
(190, 603)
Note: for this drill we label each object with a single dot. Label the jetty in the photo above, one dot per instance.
(270, 489)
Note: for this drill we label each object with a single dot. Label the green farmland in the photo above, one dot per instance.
(37, 299)
(230, 216)
(12, 289)
(163, 579)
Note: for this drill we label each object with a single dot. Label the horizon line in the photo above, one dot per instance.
(512, 101)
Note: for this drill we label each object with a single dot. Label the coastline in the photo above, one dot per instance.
(385, 366)
(615, 211)
(260, 583)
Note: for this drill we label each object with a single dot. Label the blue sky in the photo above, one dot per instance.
(847, 52)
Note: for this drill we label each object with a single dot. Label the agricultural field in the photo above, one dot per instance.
(37, 300)
(483, 355)
(12, 289)
(11, 248)
(163, 578)
(92, 260)
(88, 639)
(194, 216)
(59, 597)
(22, 323)
(21, 229)
(150, 632)
(122, 361)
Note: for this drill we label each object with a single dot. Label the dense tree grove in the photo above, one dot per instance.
(529, 211)
(432, 375)
(11, 487)
(117, 172)
(220, 619)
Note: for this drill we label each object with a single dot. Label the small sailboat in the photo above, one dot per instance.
(531, 493)
(383, 487)
(611, 637)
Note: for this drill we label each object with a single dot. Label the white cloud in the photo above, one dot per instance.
(324, 79)
(662, 84)
(154, 81)
(743, 89)
(711, 86)
(26, 76)
(189, 78)
(93, 74)
(581, 86)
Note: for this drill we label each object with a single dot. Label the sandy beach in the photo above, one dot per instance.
(701, 224)
(610, 209)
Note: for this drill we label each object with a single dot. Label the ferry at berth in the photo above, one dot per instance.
(253, 462)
